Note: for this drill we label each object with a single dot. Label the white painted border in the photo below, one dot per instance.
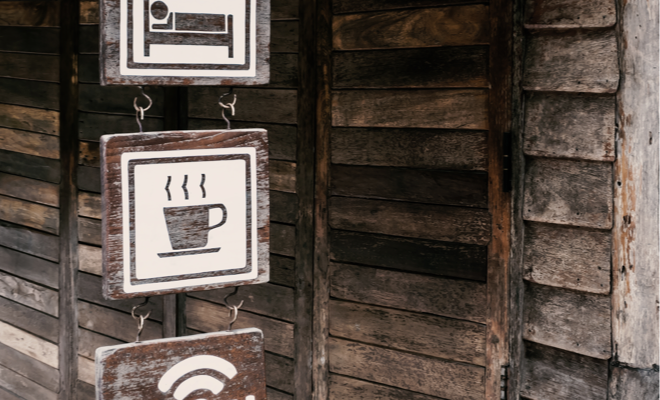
(126, 238)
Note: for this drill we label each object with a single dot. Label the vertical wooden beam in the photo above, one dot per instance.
(305, 235)
(68, 314)
(500, 124)
(636, 222)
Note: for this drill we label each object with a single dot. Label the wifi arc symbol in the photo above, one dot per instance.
(198, 381)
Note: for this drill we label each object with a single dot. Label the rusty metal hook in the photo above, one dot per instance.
(140, 318)
(139, 110)
(229, 106)
(233, 310)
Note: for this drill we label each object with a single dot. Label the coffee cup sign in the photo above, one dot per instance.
(184, 219)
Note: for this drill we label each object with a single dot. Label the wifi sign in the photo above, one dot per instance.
(215, 366)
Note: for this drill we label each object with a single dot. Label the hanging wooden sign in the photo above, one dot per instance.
(221, 366)
(185, 42)
(184, 211)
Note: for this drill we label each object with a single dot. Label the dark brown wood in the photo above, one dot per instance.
(89, 205)
(35, 144)
(29, 119)
(577, 193)
(29, 214)
(146, 370)
(451, 224)
(89, 39)
(29, 189)
(411, 148)
(562, 375)
(569, 14)
(568, 320)
(253, 105)
(461, 66)
(30, 39)
(89, 154)
(413, 255)
(285, 36)
(89, 179)
(283, 207)
(342, 387)
(570, 126)
(30, 13)
(283, 239)
(30, 320)
(119, 100)
(425, 27)
(446, 109)
(282, 270)
(439, 296)
(283, 176)
(38, 67)
(30, 93)
(346, 6)
(94, 125)
(29, 267)
(279, 373)
(30, 166)
(29, 241)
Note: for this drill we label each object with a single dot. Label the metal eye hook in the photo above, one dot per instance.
(228, 106)
(139, 111)
(140, 318)
(233, 310)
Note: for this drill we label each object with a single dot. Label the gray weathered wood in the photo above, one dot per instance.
(30, 166)
(557, 62)
(27, 293)
(568, 320)
(279, 373)
(349, 6)
(29, 189)
(30, 368)
(275, 394)
(30, 93)
(253, 105)
(283, 176)
(89, 341)
(561, 375)
(630, 383)
(412, 292)
(89, 231)
(29, 344)
(282, 239)
(343, 387)
(115, 324)
(577, 193)
(570, 126)
(29, 267)
(39, 67)
(571, 258)
(282, 270)
(30, 320)
(30, 39)
(29, 390)
(29, 241)
(570, 13)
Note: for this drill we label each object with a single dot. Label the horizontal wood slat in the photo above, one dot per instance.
(30, 93)
(119, 99)
(283, 207)
(89, 231)
(85, 391)
(29, 189)
(346, 6)
(571, 258)
(282, 270)
(86, 370)
(407, 371)
(90, 259)
(557, 62)
(30, 320)
(29, 267)
(424, 186)
(570, 126)
(401, 330)
(407, 68)
(35, 144)
(411, 255)
(115, 324)
(33, 215)
(30, 39)
(568, 320)
(44, 169)
(29, 294)
(89, 11)
(89, 205)
(422, 221)
(284, 36)
(279, 373)
(30, 119)
(88, 154)
(30, 241)
(93, 125)
(412, 292)
(89, 179)
(28, 389)
(208, 317)
(30, 368)
(29, 13)
(29, 344)
(343, 387)
(282, 176)
(411, 148)
(282, 239)
(405, 108)
(570, 13)
(561, 375)
(577, 193)
(36, 67)
(425, 27)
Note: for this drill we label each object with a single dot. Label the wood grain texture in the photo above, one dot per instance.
(30, 93)
(570, 258)
(284, 9)
(32, 190)
(283, 176)
(89, 231)
(89, 179)
(411, 255)
(555, 374)
(424, 334)
(412, 292)
(30, 241)
(90, 259)
(284, 37)
(85, 391)
(29, 294)
(38, 67)
(273, 394)
(29, 390)
(282, 270)
(86, 370)
(283, 207)
(89, 341)
(445, 109)
(29, 13)
(29, 267)
(89, 205)
(279, 373)
(409, 148)
(115, 324)
(555, 62)
(35, 144)
(343, 387)
(577, 193)
(570, 126)
(208, 317)
(450, 224)
(45, 169)
(424, 186)
(93, 125)
(253, 105)
(461, 66)
(112, 99)
(568, 320)
(569, 14)
(30, 368)
(282, 239)
(407, 371)
(635, 296)
(346, 6)
(425, 27)
(30, 320)
(30, 39)
(29, 344)
(629, 383)
(89, 12)
(88, 154)
(89, 39)
(29, 119)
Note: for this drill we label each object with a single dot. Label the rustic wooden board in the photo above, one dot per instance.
(93, 125)
(461, 66)
(282, 239)
(85, 391)
(86, 370)
(90, 259)
(28, 319)
(29, 267)
(566, 257)
(413, 255)
(90, 231)
(89, 179)
(283, 176)
(29, 39)
(440, 337)
(30, 93)
(425, 27)
(282, 270)
(445, 109)
(279, 373)
(29, 344)
(29, 189)
(114, 147)
(89, 341)
(570, 126)
(284, 36)
(577, 193)
(629, 383)
(119, 100)
(253, 105)
(29, 119)
(561, 375)
(412, 292)
(88, 39)
(30, 368)
(346, 6)
(422, 221)
(17, 383)
(555, 62)
(29, 294)
(284, 9)
(208, 317)
(35, 144)
(29, 241)
(89, 154)
(410, 148)
(424, 186)
(343, 387)
(569, 14)
(115, 324)
(30, 13)
(89, 205)
(146, 370)
(30, 166)
(283, 207)
(407, 371)
(273, 394)
(568, 320)
(38, 67)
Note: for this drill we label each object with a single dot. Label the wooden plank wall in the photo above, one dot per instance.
(407, 195)
(570, 79)
(29, 199)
